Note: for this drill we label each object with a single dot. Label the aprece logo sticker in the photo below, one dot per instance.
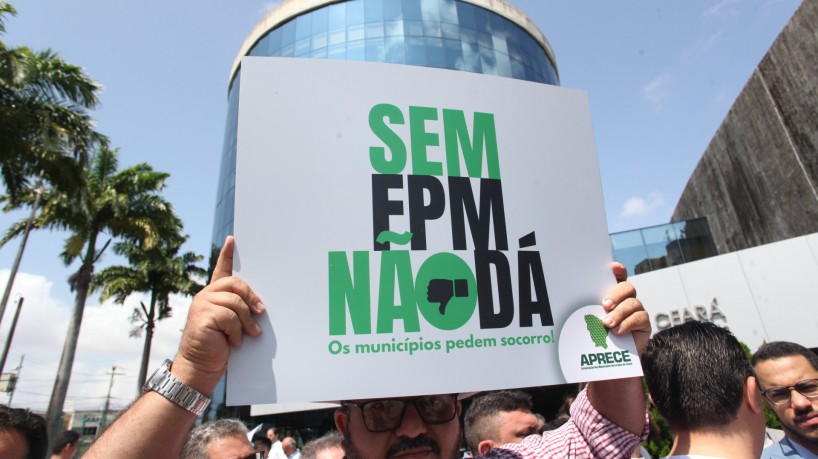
(589, 352)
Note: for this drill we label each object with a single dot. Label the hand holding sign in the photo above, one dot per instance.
(442, 290)
(218, 317)
(626, 313)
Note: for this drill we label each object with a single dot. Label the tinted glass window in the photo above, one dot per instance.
(438, 33)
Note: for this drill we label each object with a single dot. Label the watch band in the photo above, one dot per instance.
(165, 384)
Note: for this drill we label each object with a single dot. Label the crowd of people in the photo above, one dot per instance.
(697, 375)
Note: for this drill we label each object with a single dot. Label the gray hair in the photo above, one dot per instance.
(332, 439)
(196, 444)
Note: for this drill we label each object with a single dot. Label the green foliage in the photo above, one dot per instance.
(160, 271)
(119, 203)
(45, 130)
(769, 415)
(126, 205)
(660, 439)
(770, 418)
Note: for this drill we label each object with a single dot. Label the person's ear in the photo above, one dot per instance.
(342, 420)
(459, 408)
(752, 394)
(484, 447)
(650, 399)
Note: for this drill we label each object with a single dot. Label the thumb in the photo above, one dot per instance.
(620, 272)
(443, 304)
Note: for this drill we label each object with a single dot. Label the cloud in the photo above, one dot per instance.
(723, 8)
(711, 40)
(702, 46)
(636, 206)
(655, 92)
(103, 343)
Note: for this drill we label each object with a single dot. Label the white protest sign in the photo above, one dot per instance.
(416, 231)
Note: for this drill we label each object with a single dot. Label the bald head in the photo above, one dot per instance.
(289, 445)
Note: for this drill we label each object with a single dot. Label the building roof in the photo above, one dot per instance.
(289, 9)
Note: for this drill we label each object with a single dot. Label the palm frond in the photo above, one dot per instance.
(73, 247)
(5, 9)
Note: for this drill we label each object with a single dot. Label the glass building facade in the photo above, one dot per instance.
(656, 247)
(449, 34)
(482, 36)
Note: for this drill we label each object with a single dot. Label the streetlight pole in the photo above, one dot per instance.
(104, 419)
(18, 369)
(11, 335)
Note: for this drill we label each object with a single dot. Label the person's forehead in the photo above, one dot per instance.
(229, 447)
(13, 444)
(785, 371)
(520, 414)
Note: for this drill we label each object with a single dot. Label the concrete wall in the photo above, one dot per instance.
(756, 182)
(766, 293)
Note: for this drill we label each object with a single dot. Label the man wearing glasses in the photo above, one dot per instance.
(788, 374)
(610, 415)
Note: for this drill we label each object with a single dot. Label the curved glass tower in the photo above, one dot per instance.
(482, 36)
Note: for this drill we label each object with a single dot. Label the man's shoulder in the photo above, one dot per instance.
(781, 449)
(772, 451)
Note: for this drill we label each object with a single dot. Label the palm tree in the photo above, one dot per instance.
(160, 271)
(122, 204)
(45, 130)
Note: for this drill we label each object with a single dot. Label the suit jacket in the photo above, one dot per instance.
(780, 450)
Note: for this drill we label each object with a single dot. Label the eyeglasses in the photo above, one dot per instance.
(387, 415)
(781, 395)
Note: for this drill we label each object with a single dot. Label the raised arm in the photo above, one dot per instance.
(219, 315)
(623, 400)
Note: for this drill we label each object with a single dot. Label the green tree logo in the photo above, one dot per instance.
(597, 330)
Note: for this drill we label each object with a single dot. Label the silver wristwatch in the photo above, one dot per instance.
(164, 383)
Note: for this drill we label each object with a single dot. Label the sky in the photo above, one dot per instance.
(660, 76)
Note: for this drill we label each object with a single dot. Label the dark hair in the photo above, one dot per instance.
(696, 373)
(64, 438)
(781, 349)
(331, 439)
(259, 436)
(29, 425)
(480, 421)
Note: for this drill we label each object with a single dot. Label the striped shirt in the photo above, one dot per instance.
(586, 435)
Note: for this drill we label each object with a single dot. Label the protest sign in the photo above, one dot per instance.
(416, 231)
